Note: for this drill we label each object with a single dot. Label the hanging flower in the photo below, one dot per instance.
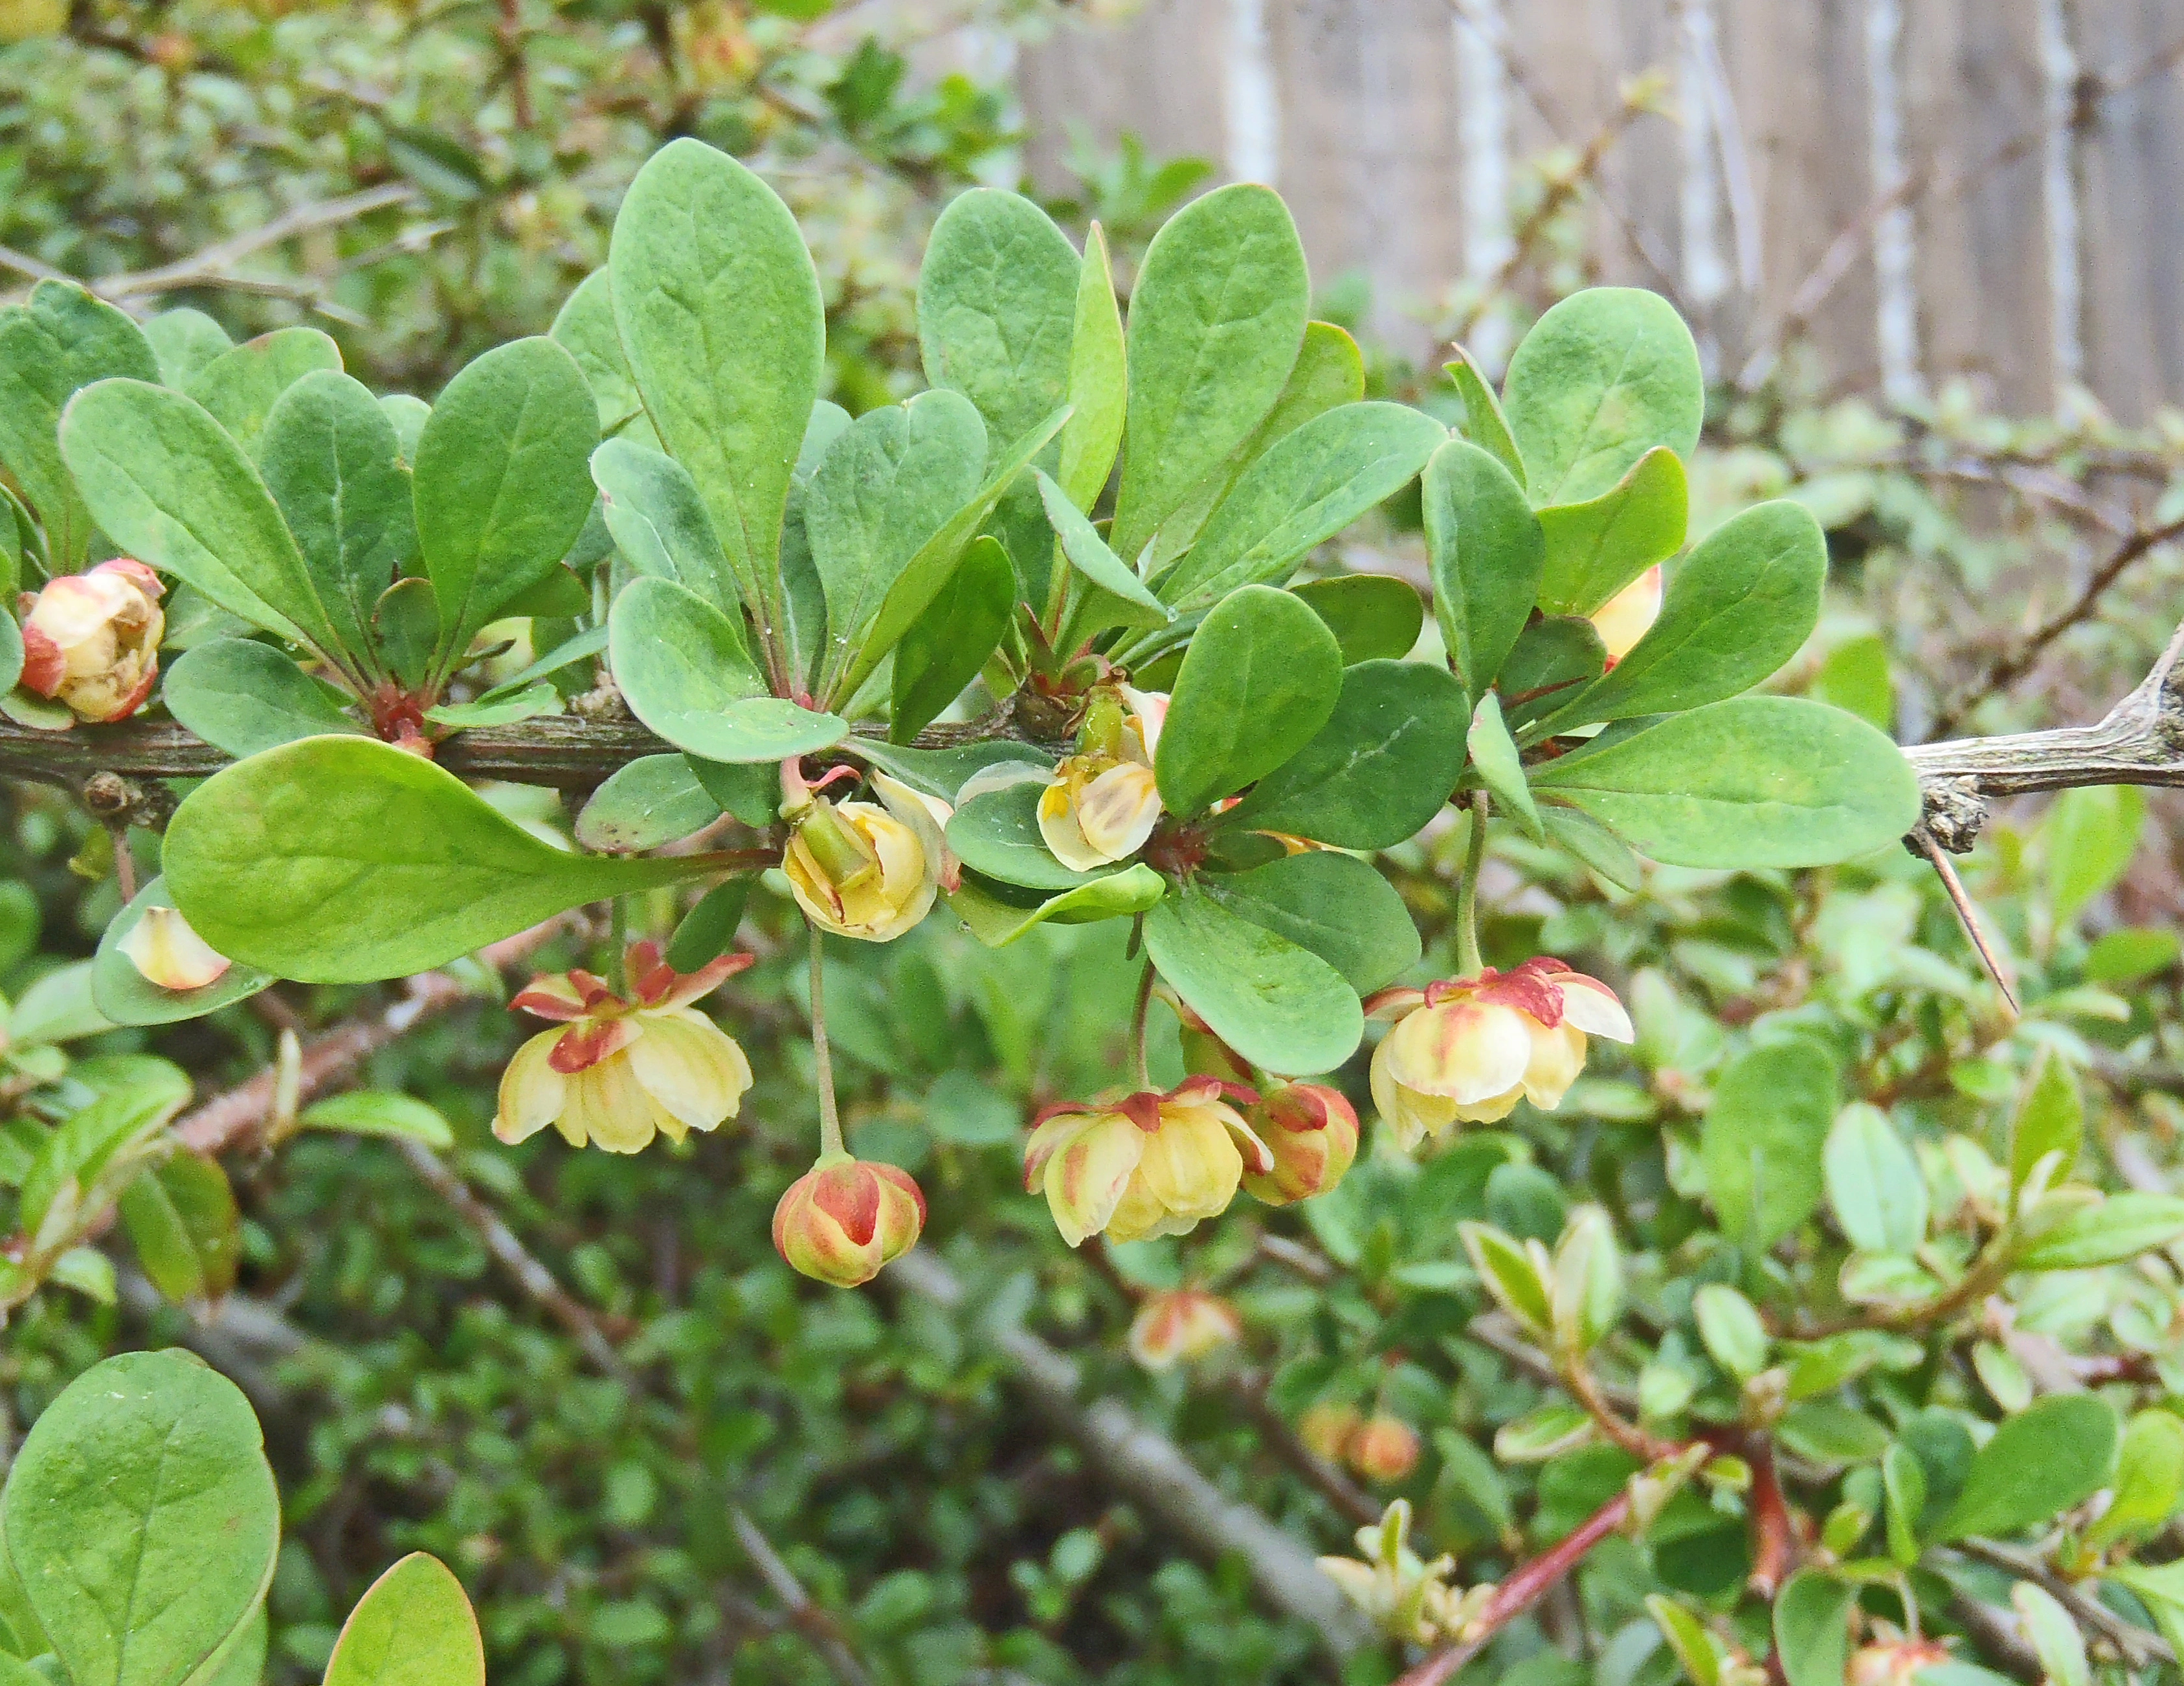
(621, 1071)
(865, 870)
(93, 640)
(1181, 1325)
(1626, 617)
(1102, 803)
(1149, 1164)
(167, 953)
(1468, 1050)
(844, 1218)
(1311, 1129)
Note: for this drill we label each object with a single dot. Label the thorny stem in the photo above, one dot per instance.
(1138, 1074)
(1468, 961)
(822, 1061)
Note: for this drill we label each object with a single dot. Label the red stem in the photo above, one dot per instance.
(1774, 1545)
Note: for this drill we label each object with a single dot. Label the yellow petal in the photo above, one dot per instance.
(693, 1071)
(1191, 1165)
(1086, 1176)
(1557, 1058)
(1465, 1050)
(167, 953)
(1059, 829)
(1118, 810)
(612, 1106)
(1628, 615)
(531, 1091)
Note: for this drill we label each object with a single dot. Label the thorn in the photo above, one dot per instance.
(1968, 915)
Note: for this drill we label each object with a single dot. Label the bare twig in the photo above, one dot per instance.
(2138, 1647)
(1349, 1500)
(216, 259)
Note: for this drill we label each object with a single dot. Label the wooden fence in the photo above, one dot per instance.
(1920, 190)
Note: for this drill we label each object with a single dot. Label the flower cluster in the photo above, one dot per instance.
(91, 641)
(1467, 1050)
(623, 1070)
(1102, 803)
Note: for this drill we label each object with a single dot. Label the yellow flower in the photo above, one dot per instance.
(167, 953)
(844, 1218)
(1147, 1165)
(1180, 1325)
(865, 870)
(93, 640)
(1311, 1131)
(621, 1071)
(1102, 803)
(1626, 617)
(1466, 1051)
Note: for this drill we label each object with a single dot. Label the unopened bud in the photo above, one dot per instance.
(1181, 1325)
(1385, 1449)
(1326, 1429)
(1312, 1132)
(844, 1218)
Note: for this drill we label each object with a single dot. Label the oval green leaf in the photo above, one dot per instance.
(413, 1626)
(242, 696)
(2055, 1453)
(1262, 677)
(1279, 1005)
(1485, 549)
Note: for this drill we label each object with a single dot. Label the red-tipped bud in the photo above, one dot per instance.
(844, 1218)
(92, 640)
(1386, 1450)
(1181, 1325)
(1312, 1132)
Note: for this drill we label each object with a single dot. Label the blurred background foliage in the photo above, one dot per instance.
(412, 1398)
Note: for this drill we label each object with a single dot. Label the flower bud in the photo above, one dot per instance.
(1628, 615)
(845, 1217)
(1150, 1163)
(1385, 1449)
(1312, 1132)
(1326, 1429)
(1102, 803)
(1181, 1325)
(92, 640)
(167, 953)
(1895, 1663)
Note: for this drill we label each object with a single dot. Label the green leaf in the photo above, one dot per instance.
(2110, 1233)
(1088, 553)
(2129, 954)
(412, 1626)
(1329, 372)
(1596, 548)
(405, 625)
(503, 709)
(2161, 1589)
(586, 329)
(942, 772)
(883, 491)
(1510, 1276)
(1306, 488)
(1903, 1481)
(503, 489)
(1763, 1144)
(720, 315)
(997, 922)
(125, 996)
(750, 790)
(2149, 1480)
(1594, 845)
(1378, 771)
(1374, 617)
(1730, 1330)
(948, 646)
(165, 482)
(408, 415)
(1098, 379)
(1874, 1184)
(1486, 551)
(1335, 905)
(1494, 757)
(998, 297)
(681, 662)
(651, 506)
(184, 340)
(709, 930)
(240, 387)
(11, 651)
(380, 1112)
(331, 459)
(2055, 1453)
(996, 833)
(1605, 377)
(1484, 424)
(1216, 317)
(143, 1519)
(1740, 606)
(2087, 842)
(181, 1219)
(2056, 1640)
(2051, 1118)
(1812, 1628)
(60, 340)
(108, 1133)
(920, 581)
(242, 696)
(1261, 678)
(1752, 781)
(1693, 1645)
(653, 800)
(1278, 1005)
(1828, 1432)
(343, 860)
(1552, 659)
(1855, 676)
